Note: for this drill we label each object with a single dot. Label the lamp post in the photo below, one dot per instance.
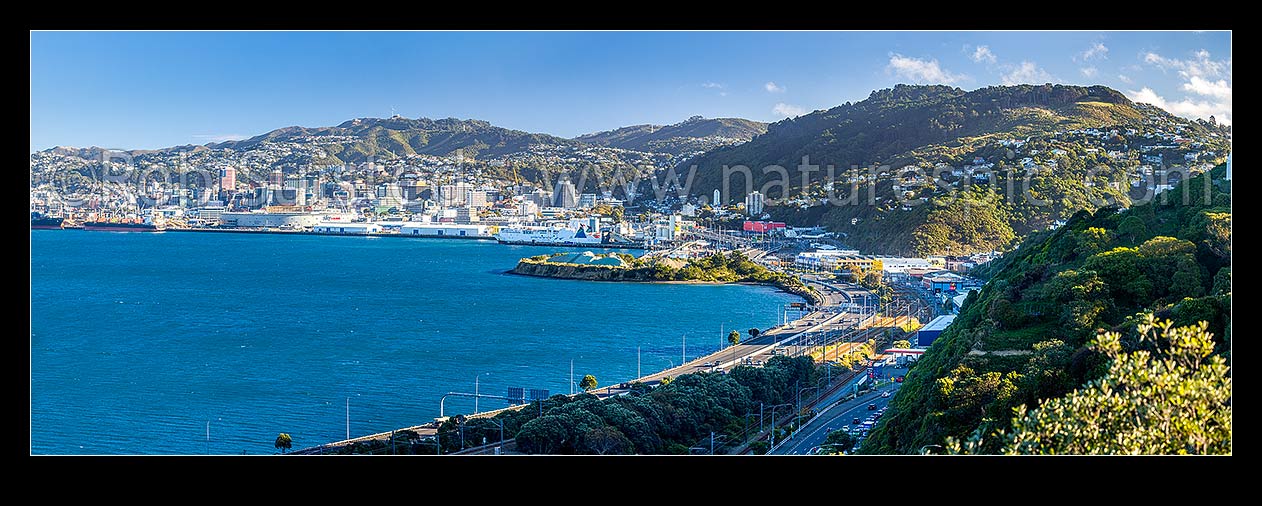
(499, 448)
(476, 394)
(799, 401)
(773, 424)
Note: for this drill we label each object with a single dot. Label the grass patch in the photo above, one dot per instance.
(1021, 339)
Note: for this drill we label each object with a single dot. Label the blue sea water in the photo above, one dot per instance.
(138, 340)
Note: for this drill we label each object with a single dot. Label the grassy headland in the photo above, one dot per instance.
(717, 268)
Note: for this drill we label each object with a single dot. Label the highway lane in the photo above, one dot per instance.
(761, 348)
(841, 415)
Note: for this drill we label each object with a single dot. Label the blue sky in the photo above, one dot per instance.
(140, 90)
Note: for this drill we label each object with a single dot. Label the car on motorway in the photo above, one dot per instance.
(885, 394)
(871, 407)
(898, 379)
(857, 421)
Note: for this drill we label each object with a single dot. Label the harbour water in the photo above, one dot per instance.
(139, 341)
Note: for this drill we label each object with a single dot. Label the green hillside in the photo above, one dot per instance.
(355, 140)
(1026, 337)
(939, 128)
(695, 134)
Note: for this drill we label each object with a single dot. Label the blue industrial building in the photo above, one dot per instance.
(929, 333)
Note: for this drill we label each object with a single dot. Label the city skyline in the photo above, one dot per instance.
(147, 90)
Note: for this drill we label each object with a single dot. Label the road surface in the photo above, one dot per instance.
(841, 415)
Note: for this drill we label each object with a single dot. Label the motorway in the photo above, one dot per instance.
(778, 339)
(839, 415)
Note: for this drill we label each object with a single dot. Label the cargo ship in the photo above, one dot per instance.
(121, 226)
(41, 222)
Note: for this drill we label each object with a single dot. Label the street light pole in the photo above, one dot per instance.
(476, 392)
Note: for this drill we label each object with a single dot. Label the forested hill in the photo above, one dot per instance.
(695, 134)
(1024, 338)
(355, 140)
(1052, 133)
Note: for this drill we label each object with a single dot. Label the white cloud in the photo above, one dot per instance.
(715, 86)
(920, 71)
(983, 54)
(219, 137)
(1089, 72)
(1027, 73)
(1217, 89)
(1187, 108)
(1124, 78)
(772, 87)
(787, 110)
(1096, 51)
(1200, 66)
(1198, 73)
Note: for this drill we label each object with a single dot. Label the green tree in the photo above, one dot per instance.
(758, 447)
(1132, 228)
(1094, 240)
(284, 442)
(587, 383)
(543, 435)
(753, 332)
(902, 343)
(606, 440)
(666, 380)
(734, 337)
(1170, 396)
(1122, 270)
(840, 441)
(1222, 281)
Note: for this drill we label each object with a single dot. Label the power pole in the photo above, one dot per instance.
(348, 418)
(637, 363)
(571, 376)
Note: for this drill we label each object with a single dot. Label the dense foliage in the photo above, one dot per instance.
(695, 134)
(666, 419)
(1026, 337)
(368, 137)
(733, 267)
(1167, 396)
